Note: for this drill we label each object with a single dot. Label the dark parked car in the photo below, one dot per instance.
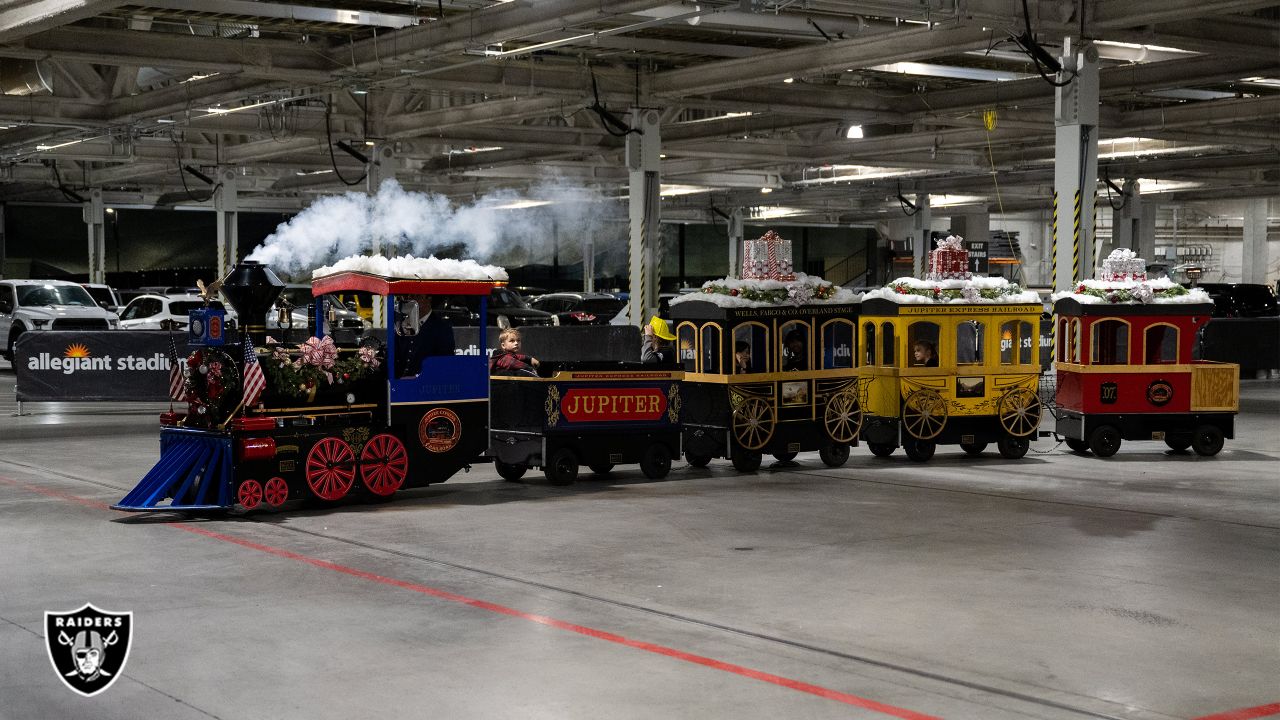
(580, 308)
(508, 309)
(1241, 299)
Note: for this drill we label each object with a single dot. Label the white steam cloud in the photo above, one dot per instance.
(503, 227)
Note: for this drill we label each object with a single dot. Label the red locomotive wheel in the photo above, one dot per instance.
(275, 492)
(249, 494)
(331, 469)
(383, 464)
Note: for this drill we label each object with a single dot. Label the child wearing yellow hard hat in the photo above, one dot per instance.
(656, 347)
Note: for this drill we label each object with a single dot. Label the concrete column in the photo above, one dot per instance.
(381, 166)
(972, 226)
(95, 223)
(645, 212)
(588, 263)
(226, 205)
(1253, 256)
(1133, 226)
(1076, 162)
(921, 223)
(736, 234)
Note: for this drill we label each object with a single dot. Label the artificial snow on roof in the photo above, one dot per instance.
(756, 293)
(980, 290)
(1160, 291)
(409, 267)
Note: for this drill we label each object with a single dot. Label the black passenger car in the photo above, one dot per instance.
(580, 308)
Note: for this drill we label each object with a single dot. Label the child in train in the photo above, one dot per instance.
(925, 355)
(507, 359)
(656, 346)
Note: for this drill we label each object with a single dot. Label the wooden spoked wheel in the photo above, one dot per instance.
(249, 494)
(383, 464)
(924, 414)
(753, 423)
(843, 417)
(1019, 411)
(275, 491)
(331, 469)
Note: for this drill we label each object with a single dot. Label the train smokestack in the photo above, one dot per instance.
(252, 288)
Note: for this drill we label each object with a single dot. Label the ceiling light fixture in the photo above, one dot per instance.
(853, 133)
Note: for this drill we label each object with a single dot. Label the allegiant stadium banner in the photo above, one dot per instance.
(133, 366)
(99, 365)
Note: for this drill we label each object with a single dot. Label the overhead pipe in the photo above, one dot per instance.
(25, 77)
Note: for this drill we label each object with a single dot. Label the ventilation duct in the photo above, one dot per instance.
(25, 77)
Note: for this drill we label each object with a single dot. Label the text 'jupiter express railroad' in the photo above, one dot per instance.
(774, 363)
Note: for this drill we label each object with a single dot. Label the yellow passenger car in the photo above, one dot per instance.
(948, 373)
(776, 380)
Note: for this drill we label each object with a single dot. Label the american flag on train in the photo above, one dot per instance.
(177, 383)
(254, 381)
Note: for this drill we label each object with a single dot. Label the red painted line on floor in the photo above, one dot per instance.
(1260, 711)
(789, 683)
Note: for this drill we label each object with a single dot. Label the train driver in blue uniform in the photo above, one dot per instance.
(433, 336)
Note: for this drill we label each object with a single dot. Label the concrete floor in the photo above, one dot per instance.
(1144, 586)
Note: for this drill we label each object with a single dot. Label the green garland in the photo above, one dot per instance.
(1141, 293)
(970, 293)
(799, 293)
(287, 373)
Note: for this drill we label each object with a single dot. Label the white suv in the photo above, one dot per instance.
(27, 305)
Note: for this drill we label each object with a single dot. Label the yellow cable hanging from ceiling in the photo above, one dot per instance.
(989, 120)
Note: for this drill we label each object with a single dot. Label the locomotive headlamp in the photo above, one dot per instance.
(351, 398)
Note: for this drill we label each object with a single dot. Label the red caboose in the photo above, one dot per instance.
(1126, 372)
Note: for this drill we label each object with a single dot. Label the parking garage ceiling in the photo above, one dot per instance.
(822, 111)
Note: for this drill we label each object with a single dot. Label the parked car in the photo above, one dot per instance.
(170, 290)
(508, 309)
(1241, 299)
(29, 305)
(361, 303)
(105, 295)
(580, 308)
(166, 312)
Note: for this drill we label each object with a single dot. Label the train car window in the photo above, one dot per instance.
(886, 344)
(1017, 339)
(1161, 344)
(751, 348)
(837, 344)
(970, 335)
(710, 348)
(687, 346)
(869, 344)
(793, 350)
(1061, 340)
(922, 345)
(1110, 342)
